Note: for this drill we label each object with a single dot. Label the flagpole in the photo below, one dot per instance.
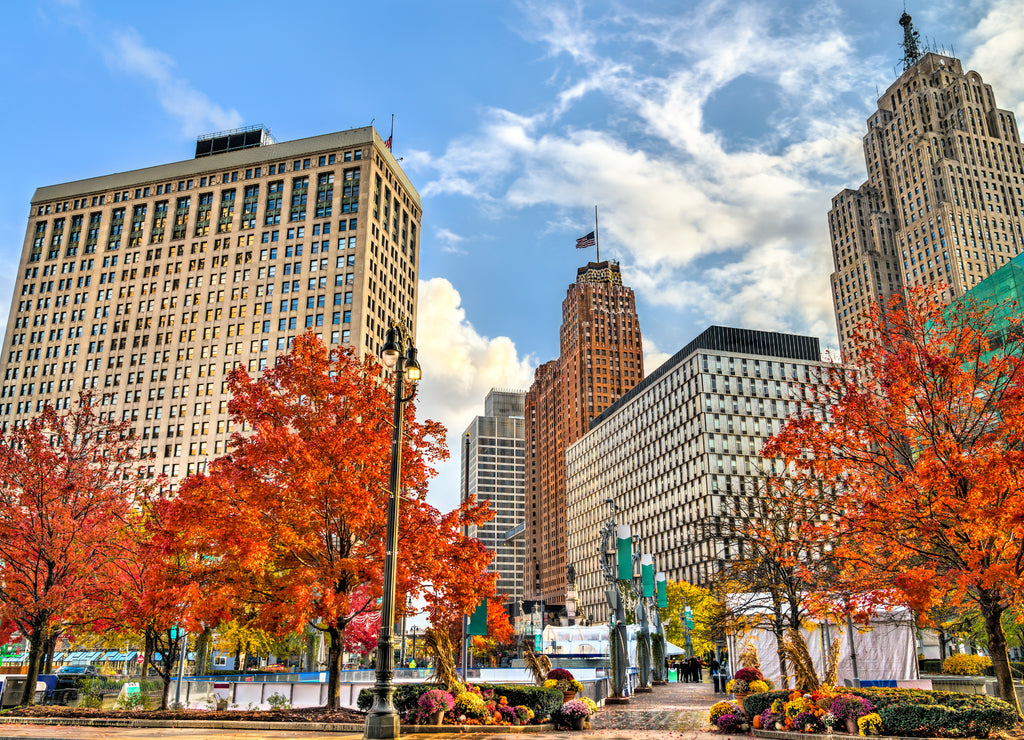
(597, 236)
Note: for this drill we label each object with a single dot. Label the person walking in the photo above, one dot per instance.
(695, 670)
(684, 670)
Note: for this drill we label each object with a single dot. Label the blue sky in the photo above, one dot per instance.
(712, 136)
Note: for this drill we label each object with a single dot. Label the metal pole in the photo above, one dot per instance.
(382, 720)
(465, 648)
(853, 650)
(182, 657)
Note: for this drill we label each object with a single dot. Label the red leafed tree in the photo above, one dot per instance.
(292, 522)
(363, 627)
(926, 454)
(67, 481)
(147, 591)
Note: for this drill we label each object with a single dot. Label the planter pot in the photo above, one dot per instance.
(578, 722)
(851, 726)
(740, 697)
(568, 696)
(436, 718)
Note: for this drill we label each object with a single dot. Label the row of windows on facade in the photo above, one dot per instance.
(92, 238)
(230, 176)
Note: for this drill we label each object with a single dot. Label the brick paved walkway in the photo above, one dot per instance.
(681, 707)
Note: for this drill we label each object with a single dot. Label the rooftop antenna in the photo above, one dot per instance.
(911, 52)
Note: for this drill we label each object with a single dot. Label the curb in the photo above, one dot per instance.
(785, 735)
(200, 724)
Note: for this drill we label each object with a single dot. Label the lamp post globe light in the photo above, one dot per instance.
(399, 354)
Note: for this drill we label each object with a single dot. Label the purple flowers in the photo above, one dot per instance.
(848, 706)
(436, 700)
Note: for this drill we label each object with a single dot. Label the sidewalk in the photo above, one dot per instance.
(680, 707)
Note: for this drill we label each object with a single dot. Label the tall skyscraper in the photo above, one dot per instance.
(147, 287)
(601, 358)
(942, 203)
(679, 453)
(492, 470)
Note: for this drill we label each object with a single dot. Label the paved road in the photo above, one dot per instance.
(679, 707)
(672, 711)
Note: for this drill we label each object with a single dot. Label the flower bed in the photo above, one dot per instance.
(887, 711)
(482, 704)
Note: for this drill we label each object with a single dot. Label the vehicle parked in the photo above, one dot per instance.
(69, 682)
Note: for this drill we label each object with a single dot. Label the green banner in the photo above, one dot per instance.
(647, 575)
(662, 592)
(624, 543)
(478, 619)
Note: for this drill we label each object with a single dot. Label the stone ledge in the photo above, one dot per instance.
(199, 724)
(786, 735)
(469, 729)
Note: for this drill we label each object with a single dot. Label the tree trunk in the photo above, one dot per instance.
(165, 674)
(333, 668)
(203, 640)
(147, 651)
(992, 613)
(35, 650)
(312, 648)
(777, 629)
(51, 644)
(942, 647)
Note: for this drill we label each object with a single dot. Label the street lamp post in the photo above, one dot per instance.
(382, 723)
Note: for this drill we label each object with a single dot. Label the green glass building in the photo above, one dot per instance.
(1004, 290)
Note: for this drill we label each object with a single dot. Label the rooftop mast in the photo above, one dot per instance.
(911, 51)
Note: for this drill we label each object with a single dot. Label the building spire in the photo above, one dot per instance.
(911, 51)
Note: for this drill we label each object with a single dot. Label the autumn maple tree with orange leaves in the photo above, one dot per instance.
(67, 483)
(292, 522)
(925, 453)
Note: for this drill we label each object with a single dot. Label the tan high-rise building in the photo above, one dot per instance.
(147, 287)
(942, 203)
(601, 358)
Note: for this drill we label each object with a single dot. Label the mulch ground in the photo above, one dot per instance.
(313, 714)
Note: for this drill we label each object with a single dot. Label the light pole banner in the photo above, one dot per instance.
(624, 542)
(647, 573)
(659, 581)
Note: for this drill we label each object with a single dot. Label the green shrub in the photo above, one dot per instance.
(279, 701)
(755, 704)
(918, 720)
(132, 702)
(542, 701)
(406, 697)
(920, 713)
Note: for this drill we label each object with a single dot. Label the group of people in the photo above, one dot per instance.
(691, 669)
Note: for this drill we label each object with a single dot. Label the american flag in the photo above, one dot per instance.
(388, 142)
(586, 241)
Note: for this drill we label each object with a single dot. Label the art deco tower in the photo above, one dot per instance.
(601, 358)
(942, 203)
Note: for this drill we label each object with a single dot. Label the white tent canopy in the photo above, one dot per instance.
(886, 647)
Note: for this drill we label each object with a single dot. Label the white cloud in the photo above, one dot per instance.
(459, 367)
(733, 229)
(198, 114)
(653, 357)
(998, 53)
(450, 241)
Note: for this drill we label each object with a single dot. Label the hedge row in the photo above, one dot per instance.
(933, 667)
(407, 695)
(919, 713)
